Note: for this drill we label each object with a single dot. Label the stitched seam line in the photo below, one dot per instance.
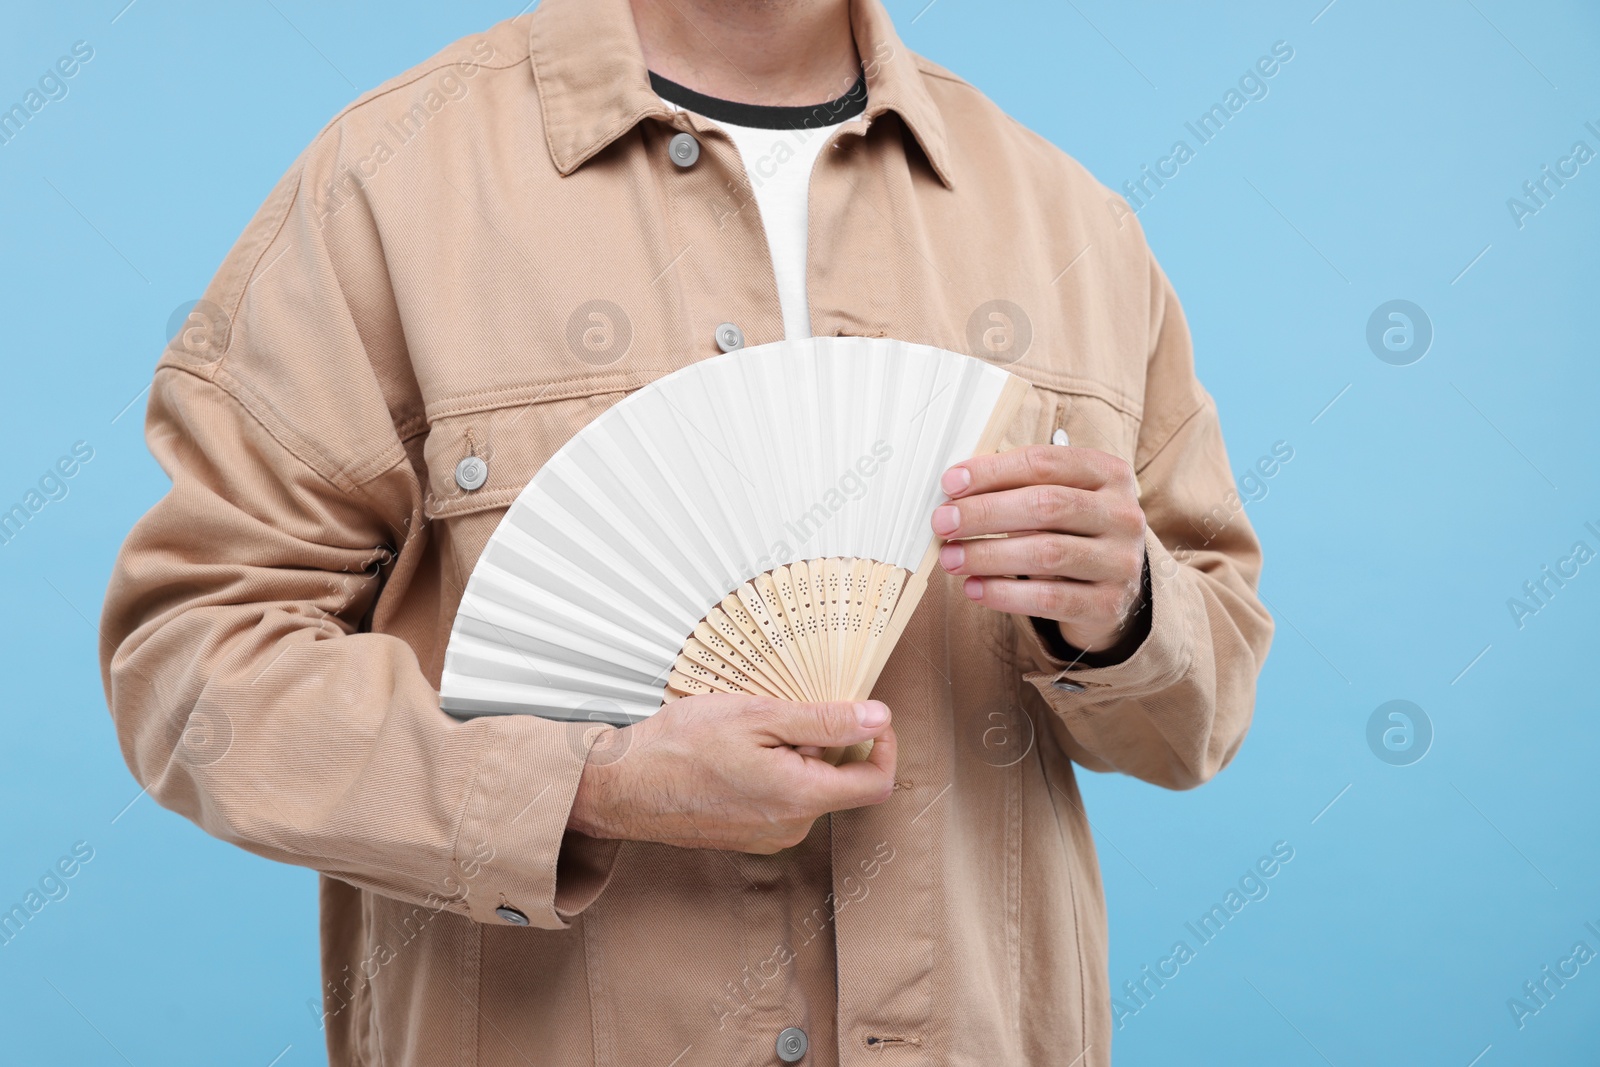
(378, 94)
(1046, 379)
(381, 464)
(928, 69)
(300, 169)
(1187, 419)
(1072, 881)
(576, 386)
(461, 819)
(346, 478)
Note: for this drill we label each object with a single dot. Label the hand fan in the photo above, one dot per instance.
(757, 522)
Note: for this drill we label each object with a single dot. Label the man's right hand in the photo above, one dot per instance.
(732, 772)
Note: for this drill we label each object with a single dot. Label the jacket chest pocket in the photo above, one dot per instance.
(478, 461)
(1088, 419)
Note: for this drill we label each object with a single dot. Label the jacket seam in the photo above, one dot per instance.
(1162, 447)
(467, 1013)
(1072, 888)
(928, 69)
(381, 92)
(1041, 378)
(380, 464)
(412, 428)
(484, 744)
(351, 478)
(578, 386)
(299, 172)
(477, 502)
(219, 368)
(1157, 684)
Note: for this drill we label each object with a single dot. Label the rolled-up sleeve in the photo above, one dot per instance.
(249, 690)
(1175, 711)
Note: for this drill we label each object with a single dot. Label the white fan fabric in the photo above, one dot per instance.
(689, 487)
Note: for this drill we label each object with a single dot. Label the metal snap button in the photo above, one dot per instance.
(1067, 687)
(792, 1045)
(471, 473)
(729, 337)
(683, 149)
(511, 915)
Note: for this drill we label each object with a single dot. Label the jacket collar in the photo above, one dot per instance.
(593, 85)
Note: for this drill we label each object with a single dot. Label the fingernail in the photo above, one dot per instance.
(973, 587)
(871, 714)
(952, 556)
(946, 518)
(955, 480)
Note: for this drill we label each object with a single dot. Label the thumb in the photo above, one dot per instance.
(825, 725)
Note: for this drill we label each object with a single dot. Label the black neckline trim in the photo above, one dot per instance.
(765, 116)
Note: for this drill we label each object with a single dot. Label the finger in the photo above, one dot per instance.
(1055, 508)
(810, 750)
(831, 725)
(1041, 555)
(860, 783)
(1081, 468)
(1060, 599)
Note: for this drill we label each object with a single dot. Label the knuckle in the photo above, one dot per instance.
(1077, 602)
(1045, 505)
(1040, 462)
(1115, 469)
(1056, 598)
(1048, 555)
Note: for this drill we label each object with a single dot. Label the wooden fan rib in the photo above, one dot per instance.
(745, 607)
(821, 641)
(698, 653)
(786, 581)
(805, 591)
(780, 630)
(747, 641)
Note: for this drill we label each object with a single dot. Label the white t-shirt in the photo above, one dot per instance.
(778, 163)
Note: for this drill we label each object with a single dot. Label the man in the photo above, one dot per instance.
(467, 266)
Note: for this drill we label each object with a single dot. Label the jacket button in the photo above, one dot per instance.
(792, 1045)
(729, 337)
(511, 915)
(1063, 685)
(683, 149)
(471, 473)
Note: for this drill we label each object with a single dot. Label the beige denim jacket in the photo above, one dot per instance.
(477, 258)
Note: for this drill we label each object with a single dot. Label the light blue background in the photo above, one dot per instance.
(1378, 167)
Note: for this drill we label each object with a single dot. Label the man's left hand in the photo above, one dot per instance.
(1072, 525)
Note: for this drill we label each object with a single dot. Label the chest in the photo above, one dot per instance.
(547, 299)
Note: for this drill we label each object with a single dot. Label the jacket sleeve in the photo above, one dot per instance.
(248, 690)
(1176, 710)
